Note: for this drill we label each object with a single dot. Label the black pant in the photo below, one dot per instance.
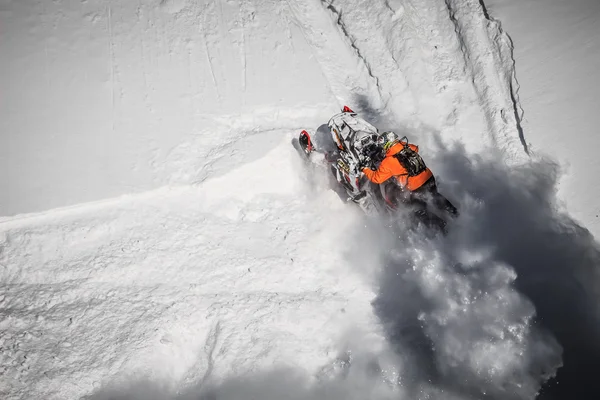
(420, 198)
(428, 193)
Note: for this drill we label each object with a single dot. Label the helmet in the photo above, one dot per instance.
(387, 140)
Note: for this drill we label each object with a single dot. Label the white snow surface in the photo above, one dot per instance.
(558, 67)
(162, 238)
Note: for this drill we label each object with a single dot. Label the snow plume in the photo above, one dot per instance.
(506, 301)
(490, 308)
(463, 324)
(515, 215)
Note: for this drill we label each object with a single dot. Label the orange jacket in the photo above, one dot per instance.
(390, 166)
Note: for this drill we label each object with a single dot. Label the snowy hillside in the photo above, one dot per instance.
(161, 238)
(558, 64)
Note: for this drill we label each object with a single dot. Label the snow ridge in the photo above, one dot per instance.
(488, 53)
(329, 5)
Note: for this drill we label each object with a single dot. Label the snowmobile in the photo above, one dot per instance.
(356, 144)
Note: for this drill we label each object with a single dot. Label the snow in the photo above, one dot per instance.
(161, 238)
(118, 294)
(558, 59)
(108, 97)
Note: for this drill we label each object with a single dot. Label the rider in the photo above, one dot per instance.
(405, 187)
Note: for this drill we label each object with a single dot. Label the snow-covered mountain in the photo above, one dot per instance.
(160, 237)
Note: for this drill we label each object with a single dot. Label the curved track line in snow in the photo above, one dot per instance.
(345, 72)
(338, 16)
(488, 53)
(171, 70)
(417, 43)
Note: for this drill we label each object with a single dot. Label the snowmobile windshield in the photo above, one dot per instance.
(366, 147)
(363, 140)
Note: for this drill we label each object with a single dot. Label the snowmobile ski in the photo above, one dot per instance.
(306, 143)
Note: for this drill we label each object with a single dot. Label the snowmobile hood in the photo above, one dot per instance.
(348, 123)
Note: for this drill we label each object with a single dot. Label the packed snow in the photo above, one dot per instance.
(162, 239)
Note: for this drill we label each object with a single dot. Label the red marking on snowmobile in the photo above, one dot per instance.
(309, 147)
(347, 109)
(389, 202)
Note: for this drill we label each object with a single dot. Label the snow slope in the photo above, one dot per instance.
(557, 52)
(236, 274)
(174, 283)
(100, 97)
(558, 59)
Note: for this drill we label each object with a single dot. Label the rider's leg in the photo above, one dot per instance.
(439, 201)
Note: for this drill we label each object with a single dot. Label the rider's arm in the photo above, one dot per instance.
(383, 173)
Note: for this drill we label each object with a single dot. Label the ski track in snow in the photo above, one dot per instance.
(237, 265)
